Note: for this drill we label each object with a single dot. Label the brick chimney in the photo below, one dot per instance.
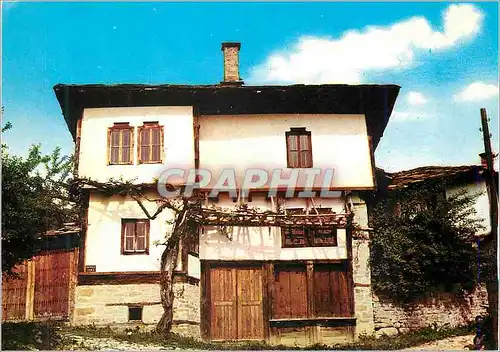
(231, 63)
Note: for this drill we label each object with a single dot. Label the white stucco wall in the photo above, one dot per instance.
(178, 141)
(481, 204)
(264, 243)
(103, 240)
(258, 141)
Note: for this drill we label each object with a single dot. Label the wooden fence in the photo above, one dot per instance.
(43, 288)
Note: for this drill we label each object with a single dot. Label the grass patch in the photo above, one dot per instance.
(46, 336)
(401, 341)
(33, 336)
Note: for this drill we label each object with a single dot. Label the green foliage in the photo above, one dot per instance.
(34, 199)
(423, 242)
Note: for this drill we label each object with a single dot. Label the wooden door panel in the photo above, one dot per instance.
(250, 312)
(14, 294)
(52, 271)
(223, 303)
(236, 303)
(290, 285)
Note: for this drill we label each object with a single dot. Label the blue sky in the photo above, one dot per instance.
(444, 56)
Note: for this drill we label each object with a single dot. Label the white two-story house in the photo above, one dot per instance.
(282, 284)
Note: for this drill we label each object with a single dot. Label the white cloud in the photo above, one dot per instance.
(416, 98)
(400, 116)
(477, 91)
(345, 59)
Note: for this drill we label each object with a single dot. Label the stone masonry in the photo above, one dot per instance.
(441, 308)
(108, 304)
(361, 271)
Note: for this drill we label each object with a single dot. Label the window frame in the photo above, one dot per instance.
(299, 131)
(150, 126)
(310, 233)
(119, 126)
(123, 240)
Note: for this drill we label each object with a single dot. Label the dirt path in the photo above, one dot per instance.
(452, 343)
(109, 344)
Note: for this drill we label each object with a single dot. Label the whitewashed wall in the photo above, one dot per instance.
(103, 240)
(264, 243)
(178, 141)
(255, 141)
(481, 204)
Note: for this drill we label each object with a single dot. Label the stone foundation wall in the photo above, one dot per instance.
(108, 304)
(363, 306)
(442, 308)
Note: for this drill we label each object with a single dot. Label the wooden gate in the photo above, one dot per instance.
(236, 303)
(52, 272)
(14, 291)
(43, 288)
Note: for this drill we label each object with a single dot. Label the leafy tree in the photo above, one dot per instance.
(34, 200)
(423, 242)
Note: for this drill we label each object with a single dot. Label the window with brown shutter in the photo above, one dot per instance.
(290, 287)
(135, 236)
(299, 148)
(150, 143)
(304, 236)
(120, 144)
(332, 296)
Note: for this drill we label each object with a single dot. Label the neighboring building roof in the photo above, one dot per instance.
(406, 178)
(375, 101)
(67, 229)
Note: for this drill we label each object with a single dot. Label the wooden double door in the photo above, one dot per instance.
(236, 303)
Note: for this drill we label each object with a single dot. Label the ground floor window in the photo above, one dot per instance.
(322, 293)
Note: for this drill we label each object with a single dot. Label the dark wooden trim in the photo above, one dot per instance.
(350, 270)
(357, 284)
(309, 234)
(310, 289)
(205, 300)
(283, 189)
(267, 297)
(152, 126)
(184, 254)
(146, 250)
(372, 161)
(83, 235)
(196, 131)
(136, 304)
(131, 277)
(303, 322)
(186, 322)
(247, 263)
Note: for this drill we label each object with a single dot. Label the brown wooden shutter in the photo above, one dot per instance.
(290, 287)
(293, 151)
(305, 151)
(126, 145)
(331, 291)
(156, 138)
(114, 146)
(145, 135)
(129, 236)
(141, 236)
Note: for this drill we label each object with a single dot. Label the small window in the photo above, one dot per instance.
(135, 313)
(304, 236)
(150, 143)
(120, 144)
(135, 236)
(299, 148)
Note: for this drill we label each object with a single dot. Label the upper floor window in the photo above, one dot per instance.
(120, 144)
(304, 236)
(150, 143)
(135, 236)
(299, 150)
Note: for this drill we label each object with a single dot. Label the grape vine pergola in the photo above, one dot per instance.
(195, 211)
